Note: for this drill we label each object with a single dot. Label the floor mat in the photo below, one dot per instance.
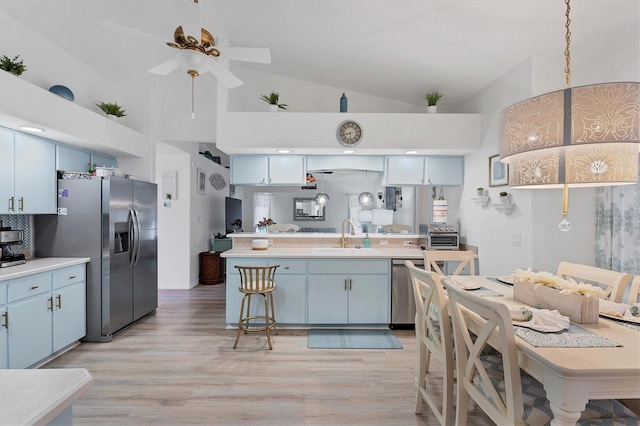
(352, 339)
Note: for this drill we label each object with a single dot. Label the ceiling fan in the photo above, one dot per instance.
(196, 55)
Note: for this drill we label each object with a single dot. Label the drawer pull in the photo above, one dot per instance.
(59, 301)
(286, 267)
(345, 284)
(350, 283)
(11, 205)
(33, 287)
(5, 323)
(21, 203)
(50, 300)
(72, 277)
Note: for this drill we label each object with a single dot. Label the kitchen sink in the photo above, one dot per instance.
(342, 250)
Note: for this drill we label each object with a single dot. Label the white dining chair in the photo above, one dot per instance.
(432, 257)
(493, 380)
(434, 336)
(614, 282)
(634, 291)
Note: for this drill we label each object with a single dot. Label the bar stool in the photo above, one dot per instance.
(257, 280)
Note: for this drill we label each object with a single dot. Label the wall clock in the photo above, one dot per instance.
(349, 133)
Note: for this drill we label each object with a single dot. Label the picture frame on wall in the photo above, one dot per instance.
(498, 172)
(201, 180)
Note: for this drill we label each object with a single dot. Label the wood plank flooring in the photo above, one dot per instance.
(178, 368)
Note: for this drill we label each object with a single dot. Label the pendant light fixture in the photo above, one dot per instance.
(366, 198)
(322, 198)
(580, 136)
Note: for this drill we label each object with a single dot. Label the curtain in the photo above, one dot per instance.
(354, 209)
(617, 242)
(261, 207)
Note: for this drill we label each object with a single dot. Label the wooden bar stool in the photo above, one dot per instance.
(257, 280)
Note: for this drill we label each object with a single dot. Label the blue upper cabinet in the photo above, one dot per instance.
(28, 174)
(444, 171)
(101, 160)
(433, 170)
(72, 160)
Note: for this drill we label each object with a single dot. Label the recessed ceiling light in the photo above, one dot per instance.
(284, 151)
(412, 151)
(32, 129)
(348, 151)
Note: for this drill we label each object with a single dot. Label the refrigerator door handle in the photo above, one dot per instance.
(137, 236)
(132, 237)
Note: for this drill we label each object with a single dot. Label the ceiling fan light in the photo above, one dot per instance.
(191, 60)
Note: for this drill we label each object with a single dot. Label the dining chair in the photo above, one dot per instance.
(493, 380)
(634, 291)
(613, 281)
(434, 336)
(432, 257)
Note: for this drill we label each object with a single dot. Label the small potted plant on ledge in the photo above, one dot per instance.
(480, 191)
(273, 100)
(15, 66)
(432, 101)
(112, 109)
(504, 197)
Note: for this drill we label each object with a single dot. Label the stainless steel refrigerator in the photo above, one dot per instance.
(113, 221)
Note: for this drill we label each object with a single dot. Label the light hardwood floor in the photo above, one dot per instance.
(178, 367)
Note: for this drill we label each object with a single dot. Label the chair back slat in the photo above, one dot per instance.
(613, 281)
(432, 257)
(634, 291)
(257, 279)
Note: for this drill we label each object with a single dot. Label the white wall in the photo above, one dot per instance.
(185, 225)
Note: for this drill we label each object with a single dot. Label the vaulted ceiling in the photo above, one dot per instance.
(397, 49)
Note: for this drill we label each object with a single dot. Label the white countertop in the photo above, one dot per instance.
(311, 253)
(36, 265)
(306, 235)
(38, 396)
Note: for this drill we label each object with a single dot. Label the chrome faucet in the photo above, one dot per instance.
(353, 232)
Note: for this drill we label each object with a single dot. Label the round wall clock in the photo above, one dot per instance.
(349, 133)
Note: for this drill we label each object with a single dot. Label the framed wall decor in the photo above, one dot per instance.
(201, 180)
(498, 172)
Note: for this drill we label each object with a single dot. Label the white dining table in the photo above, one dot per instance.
(572, 376)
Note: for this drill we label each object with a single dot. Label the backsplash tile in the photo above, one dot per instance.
(20, 222)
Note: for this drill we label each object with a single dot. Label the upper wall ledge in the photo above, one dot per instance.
(25, 104)
(315, 133)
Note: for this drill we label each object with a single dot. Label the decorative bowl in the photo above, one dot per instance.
(62, 91)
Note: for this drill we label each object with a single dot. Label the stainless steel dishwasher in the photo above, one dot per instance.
(403, 305)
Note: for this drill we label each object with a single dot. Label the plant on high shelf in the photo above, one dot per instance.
(15, 66)
(432, 101)
(112, 108)
(273, 100)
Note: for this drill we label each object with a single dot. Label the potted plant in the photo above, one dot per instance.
(432, 100)
(14, 66)
(113, 109)
(504, 197)
(480, 191)
(273, 100)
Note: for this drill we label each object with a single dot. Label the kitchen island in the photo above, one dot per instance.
(319, 283)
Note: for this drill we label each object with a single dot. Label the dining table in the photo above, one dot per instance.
(573, 375)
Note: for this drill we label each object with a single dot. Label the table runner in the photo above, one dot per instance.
(623, 323)
(484, 292)
(574, 337)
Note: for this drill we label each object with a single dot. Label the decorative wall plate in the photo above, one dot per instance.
(217, 181)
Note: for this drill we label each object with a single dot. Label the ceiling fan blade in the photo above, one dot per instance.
(132, 32)
(188, 16)
(164, 68)
(260, 55)
(223, 75)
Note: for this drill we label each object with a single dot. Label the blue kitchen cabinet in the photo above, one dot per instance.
(4, 323)
(289, 297)
(27, 174)
(444, 171)
(405, 171)
(354, 291)
(69, 300)
(101, 160)
(72, 160)
(268, 170)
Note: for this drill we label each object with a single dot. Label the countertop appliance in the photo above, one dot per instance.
(443, 236)
(113, 221)
(8, 239)
(403, 305)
